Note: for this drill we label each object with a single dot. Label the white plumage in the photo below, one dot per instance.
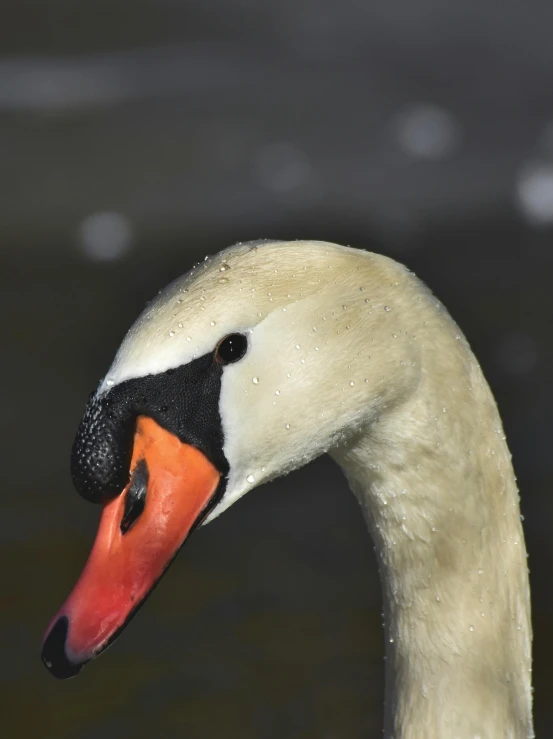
(350, 354)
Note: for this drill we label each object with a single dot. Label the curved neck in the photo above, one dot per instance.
(435, 481)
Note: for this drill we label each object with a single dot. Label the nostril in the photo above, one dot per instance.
(53, 651)
(136, 496)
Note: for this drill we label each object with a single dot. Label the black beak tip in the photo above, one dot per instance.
(53, 651)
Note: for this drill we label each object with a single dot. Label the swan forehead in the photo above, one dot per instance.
(232, 291)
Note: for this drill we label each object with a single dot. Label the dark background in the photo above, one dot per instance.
(137, 137)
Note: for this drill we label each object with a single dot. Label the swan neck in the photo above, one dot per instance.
(436, 485)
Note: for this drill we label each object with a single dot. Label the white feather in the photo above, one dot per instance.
(350, 354)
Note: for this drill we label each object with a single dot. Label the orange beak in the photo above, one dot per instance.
(140, 532)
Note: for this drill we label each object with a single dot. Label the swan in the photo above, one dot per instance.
(262, 358)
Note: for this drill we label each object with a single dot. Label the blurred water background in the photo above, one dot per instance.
(137, 137)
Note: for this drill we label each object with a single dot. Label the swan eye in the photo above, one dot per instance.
(231, 348)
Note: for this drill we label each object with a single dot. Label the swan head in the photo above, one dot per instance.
(252, 364)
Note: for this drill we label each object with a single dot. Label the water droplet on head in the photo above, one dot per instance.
(188, 338)
(255, 380)
(352, 383)
(471, 628)
(287, 426)
(223, 280)
(344, 307)
(298, 346)
(171, 333)
(212, 323)
(109, 383)
(224, 267)
(386, 308)
(250, 478)
(277, 392)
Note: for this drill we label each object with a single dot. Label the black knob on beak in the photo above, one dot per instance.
(102, 450)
